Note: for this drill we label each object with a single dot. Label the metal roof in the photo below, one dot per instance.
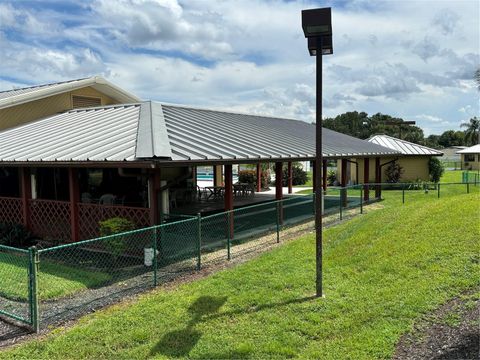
(14, 97)
(152, 131)
(201, 134)
(93, 134)
(403, 146)
(475, 149)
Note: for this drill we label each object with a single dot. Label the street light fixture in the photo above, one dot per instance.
(317, 27)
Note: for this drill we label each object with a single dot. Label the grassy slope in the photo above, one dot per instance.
(382, 271)
(55, 280)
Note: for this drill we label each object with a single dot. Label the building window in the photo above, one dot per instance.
(469, 157)
(85, 101)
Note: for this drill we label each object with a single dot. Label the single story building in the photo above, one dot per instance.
(413, 159)
(470, 157)
(68, 169)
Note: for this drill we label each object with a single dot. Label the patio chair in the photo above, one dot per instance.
(107, 199)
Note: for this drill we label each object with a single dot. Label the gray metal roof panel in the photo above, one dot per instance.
(222, 133)
(148, 130)
(99, 134)
(403, 146)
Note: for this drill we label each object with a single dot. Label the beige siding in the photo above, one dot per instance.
(471, 165)
(38, 109)
(414, 167)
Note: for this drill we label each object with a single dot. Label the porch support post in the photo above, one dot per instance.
(217, 175)
(259, 177)
(290, 177)
(314, 172)
(154, 186)
(279, 189)
(344, 181)
(324, 175)
(378, 178)
(26, 192)
(228, 188)
(229, 197)
(366, 178)
(278, 180)
(74, 199)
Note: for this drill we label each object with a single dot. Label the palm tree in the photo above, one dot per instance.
(472, 132)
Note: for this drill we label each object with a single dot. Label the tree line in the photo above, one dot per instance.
(360, 125)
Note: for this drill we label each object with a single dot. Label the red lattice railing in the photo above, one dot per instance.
(11, 210)
(91, 214)
(50, 219)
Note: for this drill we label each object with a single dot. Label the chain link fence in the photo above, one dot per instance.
(51, 285)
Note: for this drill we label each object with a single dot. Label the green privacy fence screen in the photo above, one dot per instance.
(48, 286)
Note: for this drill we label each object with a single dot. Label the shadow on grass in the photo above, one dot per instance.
(178, 343)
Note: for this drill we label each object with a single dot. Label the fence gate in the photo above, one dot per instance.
(18, 285)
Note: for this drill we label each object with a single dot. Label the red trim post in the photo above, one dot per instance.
(26, 192)
(324, 175)
(229, 195)
(290, 177)
(279, 188)
(344, 181)
(278, 180)
(378, 178)
(366, 179)
(74, 200)
(154, 186)
(259, 177)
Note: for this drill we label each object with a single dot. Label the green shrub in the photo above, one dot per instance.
(116, 245)
(247, 176)
(299, 176)
(250, 177)
(115, 225)
(435, 169)
(331, 177)
(393, 172)
(15, 235)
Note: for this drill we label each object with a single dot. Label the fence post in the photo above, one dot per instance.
(341, 201)
(438, 191)
(199, 241)
(468, 188)
(229, 221)
(361, 199)
(278, 220)
(403, 193)
(155, 256)
(33, 287)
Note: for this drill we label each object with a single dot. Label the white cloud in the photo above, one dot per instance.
(398, 58)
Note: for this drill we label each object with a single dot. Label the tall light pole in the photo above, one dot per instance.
(317, 26)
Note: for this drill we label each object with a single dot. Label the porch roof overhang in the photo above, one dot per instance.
(150, 134)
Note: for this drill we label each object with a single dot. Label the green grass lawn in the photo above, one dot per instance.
(54, 280)
(383, 271)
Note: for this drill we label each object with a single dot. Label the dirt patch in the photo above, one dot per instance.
(450, 332)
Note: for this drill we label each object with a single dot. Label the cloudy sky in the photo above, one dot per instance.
(411, 59)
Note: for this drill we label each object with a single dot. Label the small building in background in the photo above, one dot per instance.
(412, 158)
(470, 158)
